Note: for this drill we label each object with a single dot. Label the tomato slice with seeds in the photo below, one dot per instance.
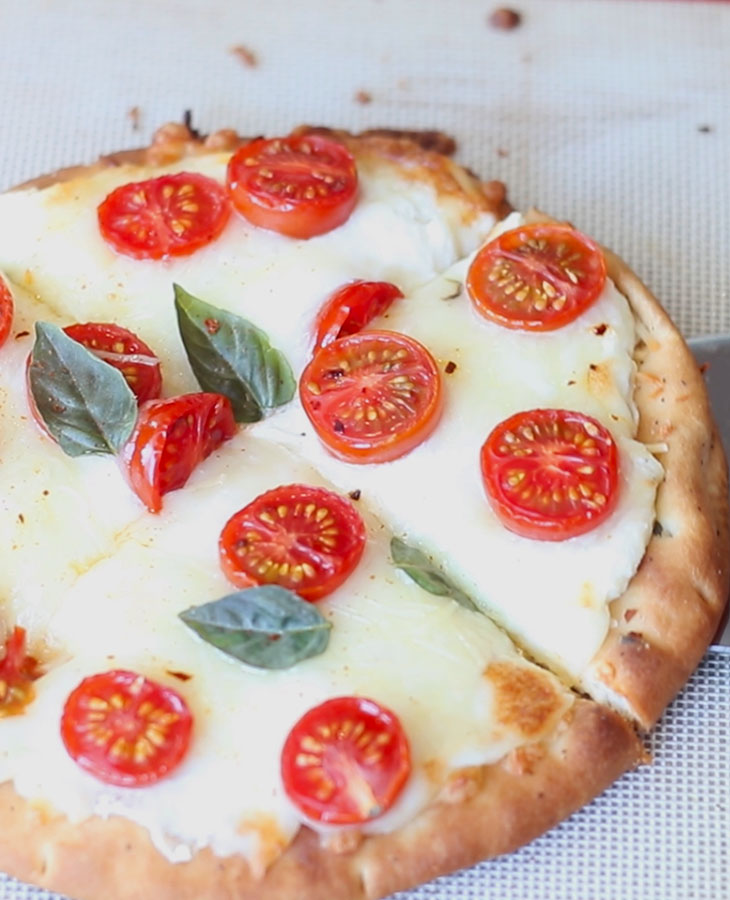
(303, 538)
(536, 277)
(300, 186)
(171, 437)
(345, 761)
(172, 215)
(125, 729)
(125, 351)
(550, 474)
(372, 396)
(18, 671)
(351, 308)
(6, 311)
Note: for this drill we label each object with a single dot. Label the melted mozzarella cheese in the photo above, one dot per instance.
(552, 596)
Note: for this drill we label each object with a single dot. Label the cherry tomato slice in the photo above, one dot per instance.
(300, 186)
(6, 311)
(124, 729)
(126, 352)
(171, 437)
(351, 308)
(372, 396)
(550, 474)
(172, 215)
(536, 277)
(18, 671)
(345, 761)
(303, 538)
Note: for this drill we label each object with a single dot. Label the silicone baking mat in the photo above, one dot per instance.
(614, 114)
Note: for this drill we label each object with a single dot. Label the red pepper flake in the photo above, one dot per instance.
(450, 367)
(182, 676)
(355, 495)
(629, 614)
(21, 334)
(245, 55)
(704, 367)
(212, 326)
(21, 518)
(600, 329)
(505, 19)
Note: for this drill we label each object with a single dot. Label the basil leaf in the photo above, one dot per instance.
(230, 356)
(268, 626)
(85, 403)
(419, 567)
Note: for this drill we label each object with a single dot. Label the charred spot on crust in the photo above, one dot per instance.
(188, 123)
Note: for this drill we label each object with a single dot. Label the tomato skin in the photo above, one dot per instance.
(300, 186)
(536, 277)
(125, 351)
(345, 761)
(125, 729)
(550, 474)
(171, 215)
(350, 308)
(7, 309)
(384, 371)
(317, 535)
(18, 671)
(171, 437)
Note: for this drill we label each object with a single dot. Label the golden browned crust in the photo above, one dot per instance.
(421, 154)
(662, 625)
(488, 811)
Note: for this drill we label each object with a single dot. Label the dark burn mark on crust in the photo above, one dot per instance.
(450, 367)
(355, 495)
(188, 123)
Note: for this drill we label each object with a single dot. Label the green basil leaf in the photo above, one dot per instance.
(268, 626)
(230, 356)
(419, 567)
(85, 403)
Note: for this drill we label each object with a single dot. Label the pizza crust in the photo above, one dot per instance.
(483, 813)
(663, 623)
(661, 627)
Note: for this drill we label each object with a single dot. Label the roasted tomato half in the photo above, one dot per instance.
(550, 474)
(372, 396)
(300, 186)
(126, 352)
(536, 277)
(345, 761)
(171, 437)
(124, 729)
(18, 671)
(351, 308)
(303, 538)
(6, 311)
(172, 215)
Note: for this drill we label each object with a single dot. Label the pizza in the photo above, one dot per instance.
(354, 526)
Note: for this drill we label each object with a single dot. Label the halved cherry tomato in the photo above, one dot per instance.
(18, 671)
(345, 761)
(124, 729)
(300, 186)
(351, 308)
(303, 538)
(171, 437)
(172, 215)
(372, 396)
(550, 474)
(125, 351)
(536, 277)
(6, 311)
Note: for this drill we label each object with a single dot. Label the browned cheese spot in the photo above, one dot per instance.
(525, 699)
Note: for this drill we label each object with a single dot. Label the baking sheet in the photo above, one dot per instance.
(611, 113)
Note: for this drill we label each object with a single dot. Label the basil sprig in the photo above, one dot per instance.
(85, 403)
(230, 356)
(268, 626)
(421, 569)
